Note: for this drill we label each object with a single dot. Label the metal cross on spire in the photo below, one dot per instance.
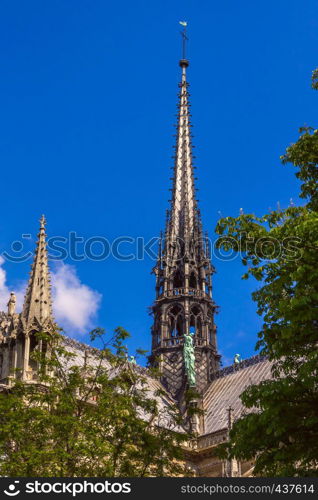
(184, 38)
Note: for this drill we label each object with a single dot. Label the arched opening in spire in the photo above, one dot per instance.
(193, 280)
(196, 321)
(177, 280)
(12, 348)
(211, 336)
(20, 346)
(176, 321)
(157, 330)
(33, 363)
(160, 288)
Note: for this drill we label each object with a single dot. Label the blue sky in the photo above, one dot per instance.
(88, 101)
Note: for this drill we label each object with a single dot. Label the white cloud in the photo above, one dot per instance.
(75, 304)
(5, 290)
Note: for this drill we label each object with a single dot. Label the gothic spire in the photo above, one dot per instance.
(184, 216)
(184, 271)
(37, 302)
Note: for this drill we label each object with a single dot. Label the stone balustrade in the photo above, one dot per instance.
(190, 292)
(177, 341)
(212, 439)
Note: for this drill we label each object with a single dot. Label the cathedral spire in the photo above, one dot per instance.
(37, 305)
(183, 272)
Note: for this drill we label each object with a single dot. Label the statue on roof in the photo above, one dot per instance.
(189, 358)
(237, 359)
(11, 304)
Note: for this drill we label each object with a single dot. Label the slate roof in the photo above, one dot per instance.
(83, 353)
(225, 389)
(222, 392)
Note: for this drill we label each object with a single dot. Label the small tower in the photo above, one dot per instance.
(37, 305)
(183, 272)
(36, 316)
(18, 331)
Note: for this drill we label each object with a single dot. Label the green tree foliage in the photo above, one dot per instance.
(93, 419)
(280, 250)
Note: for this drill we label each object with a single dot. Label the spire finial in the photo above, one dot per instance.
(42, 222)
(184, 38)
(184, 63)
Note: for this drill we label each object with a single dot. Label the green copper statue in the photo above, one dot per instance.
(189, 358)
(237, 359)
(132, 360)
